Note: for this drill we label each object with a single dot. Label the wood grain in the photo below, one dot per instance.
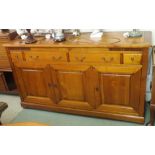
(109, 40)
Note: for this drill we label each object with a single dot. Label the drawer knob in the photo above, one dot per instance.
(56, 59)
(17, 57)
(107, 61)
(36, 57)
(80, 59)
(97, 89)
(50, 85)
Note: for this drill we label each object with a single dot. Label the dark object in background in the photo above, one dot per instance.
(12, 35)
(7, 83)
(30, 39)
(8, 34)
(5, 30)
(3, 106)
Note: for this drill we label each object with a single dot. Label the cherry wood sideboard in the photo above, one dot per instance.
(103, 78)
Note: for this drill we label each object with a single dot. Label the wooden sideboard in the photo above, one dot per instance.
(103, 78)
(7, 83)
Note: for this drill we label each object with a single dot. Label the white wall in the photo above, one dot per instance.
(152, 30)
(153, 35)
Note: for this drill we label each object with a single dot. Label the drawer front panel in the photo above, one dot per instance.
(16, 56)
(132, 58)
(107, 58)
(43, 56)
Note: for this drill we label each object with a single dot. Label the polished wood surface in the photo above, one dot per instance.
(103, 79)
(109, 39)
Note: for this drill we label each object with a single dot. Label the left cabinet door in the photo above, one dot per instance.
(34, 82)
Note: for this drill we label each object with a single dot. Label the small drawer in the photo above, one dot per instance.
(16, 56)
(107, 58)
(132, 58)
(46, 56)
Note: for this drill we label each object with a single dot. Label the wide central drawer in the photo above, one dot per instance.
(98, 57)
(50, 54)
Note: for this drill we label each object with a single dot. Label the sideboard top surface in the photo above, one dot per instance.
(109, 39)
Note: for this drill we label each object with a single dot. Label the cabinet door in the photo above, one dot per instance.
(74, 86)
(120, 89)
(34, 82)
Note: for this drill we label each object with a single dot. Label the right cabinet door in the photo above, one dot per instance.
(119, 89)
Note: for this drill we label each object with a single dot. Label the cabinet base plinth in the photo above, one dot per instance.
(121, 117)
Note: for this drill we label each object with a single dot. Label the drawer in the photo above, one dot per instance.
(2, 83)
(108, 57)
(46, 56)
(16, 56)
(132, 58)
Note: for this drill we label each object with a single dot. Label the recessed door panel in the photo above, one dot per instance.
(35, 83)
(120, 89)
(115, 88)
(71, 85)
